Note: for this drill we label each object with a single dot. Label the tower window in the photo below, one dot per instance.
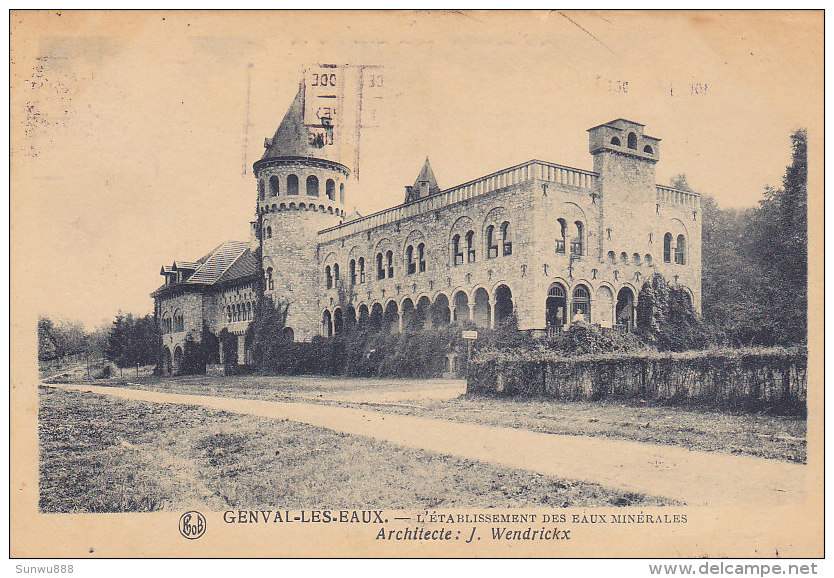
(632, 141)
(330, 189)
(312, 186)
(292, 185)
(648, 149)
(328, 277)
(470, 247)
(421, 257)
(274, 185)
(560, 241)
(260, 190)
(380, 269)
(615, 141)
(680, 251)
(268, 232)
(341, 192)
(456, 252)
(411, 266)
(389, 256)
(612, 257)
(353, 271)
(667, 248)
(576, 248)
(506, 239)
(624, 258)
(492, 246)
(269, 283)
(336, 272)
(361, 269)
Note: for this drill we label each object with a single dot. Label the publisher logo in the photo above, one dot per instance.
(192, 525)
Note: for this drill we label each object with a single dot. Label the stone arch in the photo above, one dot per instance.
(292, 184)
(326, 324)
(350, 318)
(391, 317)
(503, 297)
(626, 307)
(338, 321)
(604, 306)
(167, 361)
(556, 305)
(440, 313)
(364, 318)
(292, 206)
(274, 185)
(481, 307)
(282, 206)
(632, 141)
(177, 365)
(494, 218)
(460, 227)
(581, 302)
(407, 311)
(376, 316)
(312, 186)
(330, 189)
(461, 305)
(422, 313)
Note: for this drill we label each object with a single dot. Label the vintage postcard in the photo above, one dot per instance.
(417, 284)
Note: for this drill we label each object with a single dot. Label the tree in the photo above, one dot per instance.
(666, 318)
(265, 337)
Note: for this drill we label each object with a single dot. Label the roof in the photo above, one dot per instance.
(426, 175)
(229, 261)
(292, 139)
(611, 124)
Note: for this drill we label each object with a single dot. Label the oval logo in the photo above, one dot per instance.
(192, 525)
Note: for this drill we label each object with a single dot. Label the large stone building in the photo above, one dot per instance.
(547, 243)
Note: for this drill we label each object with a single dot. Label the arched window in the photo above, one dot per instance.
(380, 268)
(261, 190)
(328, 278)
(456, 251)
(268, 232)
(632, 141)
(648, 259)
(330, 189)
(560, 240)
(248, 310)
(470, 247)
(421, 257)
(615, 141)
(361, 269)
(624, 258)
(506, 240)
(411, 266)
(492, 246)
(667, 248)
(581, 309)
(292, 185)
(680, 251)
(312, 186)
(635, 258)
(648, 149)
(576, 245)
(352, 271)
(389, 257)
(341, 192)
(269, 284)
(274, 185)
(335, 272)
(229, 313)
(612, 257)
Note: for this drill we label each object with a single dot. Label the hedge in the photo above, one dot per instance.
(760, 379)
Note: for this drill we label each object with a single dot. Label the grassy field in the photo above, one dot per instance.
(767, 436)
(99, 454)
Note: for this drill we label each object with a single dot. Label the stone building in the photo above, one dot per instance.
(546, 243)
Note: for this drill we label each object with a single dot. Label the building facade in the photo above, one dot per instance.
(545, 243)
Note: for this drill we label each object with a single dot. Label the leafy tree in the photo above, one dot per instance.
(665, 316)
(265, 337)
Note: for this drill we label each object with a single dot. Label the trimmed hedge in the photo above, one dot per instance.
(769, 379)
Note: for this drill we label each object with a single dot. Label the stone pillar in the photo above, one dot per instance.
(471, 310)
(492, 302)
(452, 314)
(399, 320)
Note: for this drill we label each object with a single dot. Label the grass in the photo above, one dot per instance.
(100, 454)
(704, 429)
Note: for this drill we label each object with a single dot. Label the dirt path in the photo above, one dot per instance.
(696, 478)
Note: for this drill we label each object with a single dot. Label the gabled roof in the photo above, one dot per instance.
(293, 138)
(184, 265)
(426, 175)
(226, 262)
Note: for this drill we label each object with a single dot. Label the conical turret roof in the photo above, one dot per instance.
(294, 139)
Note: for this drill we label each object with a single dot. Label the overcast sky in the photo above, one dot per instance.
(138, 131)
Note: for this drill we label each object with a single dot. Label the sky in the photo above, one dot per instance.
(134, 133)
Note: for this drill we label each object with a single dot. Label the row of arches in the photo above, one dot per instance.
(243, 311)
(407, 315)
(631, 142)
(560, 310)
(300, 207)
(497, 242)
(635, 258)
(173, 324)
(292, 187)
